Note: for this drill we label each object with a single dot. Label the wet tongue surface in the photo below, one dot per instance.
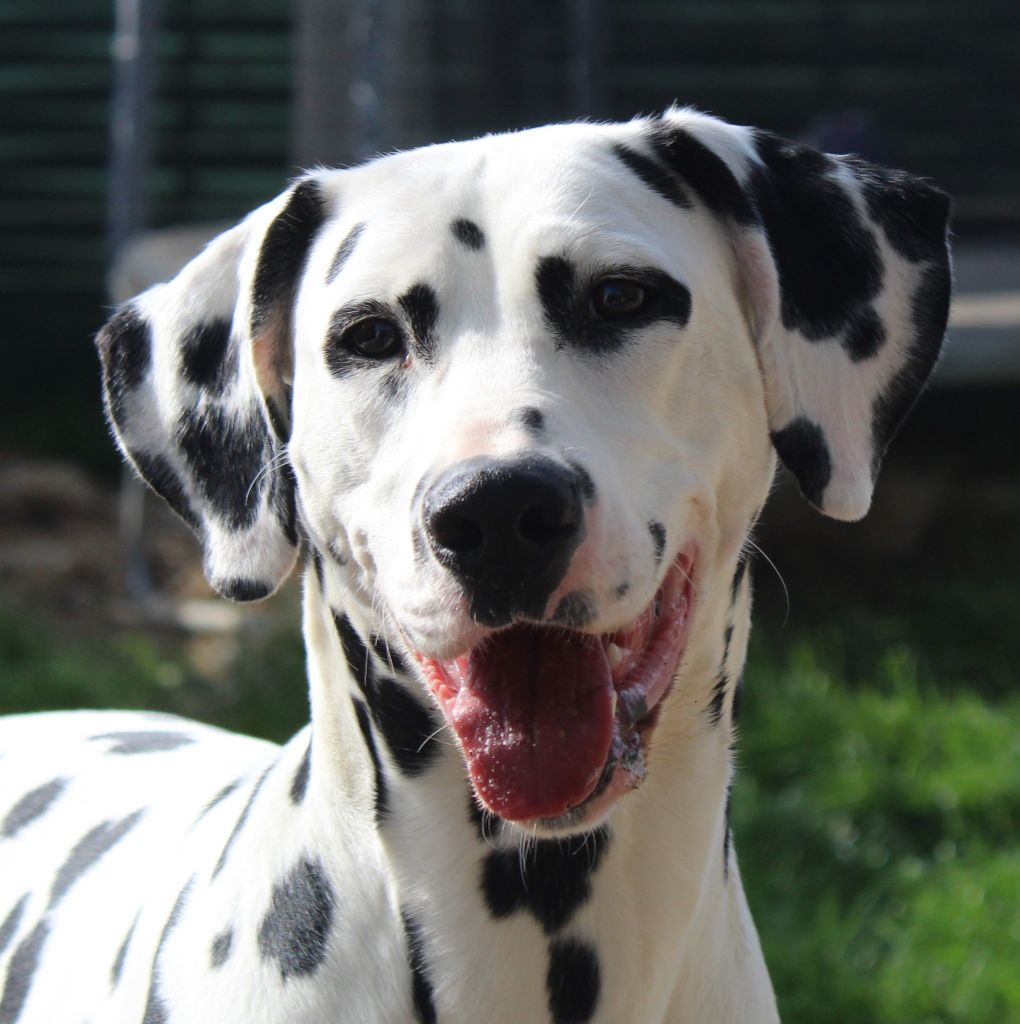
(535, 720)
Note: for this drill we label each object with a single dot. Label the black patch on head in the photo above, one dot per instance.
(32, 805)
(87, 851)
(118, 963)
(227, 456)
(282, 257)
(239, 824)
(421, 985)
(407, 726)
(658, 532)
(343, 254)
(218, 798)
(566, 305)
(125, 348)
(10, 923)
(385, 652)
(21, 970)
(829, 265)
(551, 879)
(584, 482)
(220, 948)
(576, 609)
(382, 803)
(299, 784)
(705, 173)
(532, 419)
(658, 178)
(295, 930)
(929, 312)
(238, 589)
(802, 446)
(573, 981)
(155, 1007)
(142, 742)
(208, 360)
(468, 233)
(161, 476)
(421, 308)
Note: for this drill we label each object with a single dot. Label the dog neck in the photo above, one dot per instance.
(646, 911)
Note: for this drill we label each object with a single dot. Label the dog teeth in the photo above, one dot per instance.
(614, 653)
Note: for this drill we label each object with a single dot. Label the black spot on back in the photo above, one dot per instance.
(421, 985)
(155, 1007)
(208, 359)
(220, 949)
(551, 880)
(87, 852)
(10, 924)
(381, 790)
(21, 970)
(144, 742)
(573, 982)
(295, 930)
(32, 805)
(468, 233)
(299, 784)
(576, 609)
(343, 254)
(421, 308)
(125, 348)
(239, 824)
(118, 963)
(658, 532)
(802, 446)
(658, 178)
(161, 476)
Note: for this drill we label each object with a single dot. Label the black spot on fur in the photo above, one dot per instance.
(125, 348)
(576, 609)
(864, 336)
(551, 879)
(658, 532)
(21, 971)
(299, 784)
(87, 852)
(144, 742)
(584, 482)
(282, 497)
(573, 982)
(282, 258)
(226, 456)
(355, 652)
(238, 589)
(532, 419)
(32, 805)
(722, 681)
(343, 254)
(295, 930)
(738, 696)
(155, 1007)
(220, 949)
(802, 446)
(421, 985)
(829, 265)
(421, 308)
(382, 803)
(483, 820)
(208, 359)
(315, 557)
(738, 576)
(161, 476)
(118, 963)
(218, 798)
(567, 310)
(622, 589)
(10, 924)
(658, 178)
(727, 834)
(387, 654)
(239, 824)
(468, 233)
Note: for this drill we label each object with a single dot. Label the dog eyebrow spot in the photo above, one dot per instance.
(468, 233)
(658, 178)
(421, 308)
(343, 254)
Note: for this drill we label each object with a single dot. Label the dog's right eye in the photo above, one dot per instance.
(374, 338)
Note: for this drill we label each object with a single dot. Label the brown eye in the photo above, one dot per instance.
(374, 338)
(616, 298)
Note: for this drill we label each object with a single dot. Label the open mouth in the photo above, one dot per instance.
(549, 719)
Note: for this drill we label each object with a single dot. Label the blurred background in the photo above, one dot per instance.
(877, 808)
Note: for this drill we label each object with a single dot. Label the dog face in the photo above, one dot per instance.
(527, 392)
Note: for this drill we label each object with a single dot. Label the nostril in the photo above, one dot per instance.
(456, 532)
(546, 522)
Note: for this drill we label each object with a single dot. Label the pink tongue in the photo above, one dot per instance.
(535, 720)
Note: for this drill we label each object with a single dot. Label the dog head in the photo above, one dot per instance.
(527, 392)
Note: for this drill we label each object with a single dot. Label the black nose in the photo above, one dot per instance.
(507, 530)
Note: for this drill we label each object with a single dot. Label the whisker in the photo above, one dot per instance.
(779, 576)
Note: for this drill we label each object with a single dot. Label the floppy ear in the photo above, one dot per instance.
(196, 385)
(846, 272)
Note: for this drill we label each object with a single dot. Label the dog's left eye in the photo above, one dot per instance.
(616, 298)
(374, 338)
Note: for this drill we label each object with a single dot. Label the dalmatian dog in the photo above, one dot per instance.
(515, 404)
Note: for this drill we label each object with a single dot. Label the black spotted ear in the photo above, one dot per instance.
(847, 278)
(196, 382)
